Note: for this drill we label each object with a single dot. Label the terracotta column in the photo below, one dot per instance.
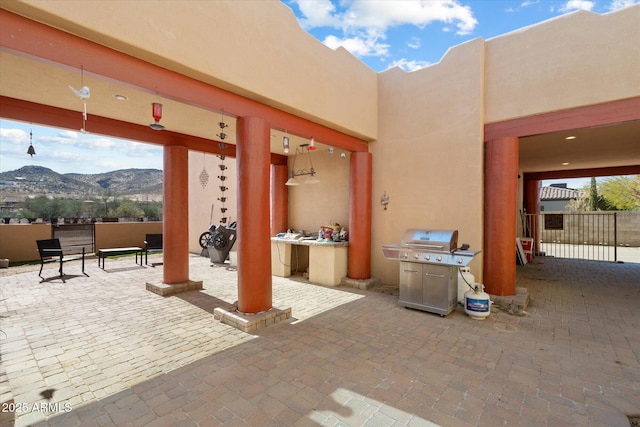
(359, 264)
(500, 206)
(532, 207)
(279, 199)
(254, 244)
(175, 221)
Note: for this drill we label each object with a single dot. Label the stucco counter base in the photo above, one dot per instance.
(327, 260)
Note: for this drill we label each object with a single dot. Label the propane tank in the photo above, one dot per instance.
(464, 273)
(477, 303)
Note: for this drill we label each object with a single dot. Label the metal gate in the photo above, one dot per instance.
(76, 236)
(577, 235)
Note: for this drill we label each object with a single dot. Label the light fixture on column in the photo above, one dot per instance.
(302, 172)
(156, 112)
(31, 150)
(312, 144)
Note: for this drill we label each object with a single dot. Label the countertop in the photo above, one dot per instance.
(309, 242)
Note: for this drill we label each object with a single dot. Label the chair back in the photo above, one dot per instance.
(154, 241)
(47, 248)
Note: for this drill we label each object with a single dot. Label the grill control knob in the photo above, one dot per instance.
(406, 255)
(428, 257)
(416, 256)
(439, 258)
(459, 260)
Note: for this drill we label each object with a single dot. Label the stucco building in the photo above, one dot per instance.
(461, 144)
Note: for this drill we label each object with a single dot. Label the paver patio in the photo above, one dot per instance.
(103, 351)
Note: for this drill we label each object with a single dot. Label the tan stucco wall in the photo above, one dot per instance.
(18, 241)
(124, 234)
(255, 48)
(574, 60)
(202, 198)
(430, 153)
(325, 203)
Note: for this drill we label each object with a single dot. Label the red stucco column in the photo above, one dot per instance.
(500, 206)
(175, 215)
(254, 244)
(279, 199)
(359, 264)
(532, 206)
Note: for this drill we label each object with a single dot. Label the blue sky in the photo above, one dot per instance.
(410, 34)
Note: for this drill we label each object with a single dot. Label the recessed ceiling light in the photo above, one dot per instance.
(571, 137)
(119, 97)
(565, 163)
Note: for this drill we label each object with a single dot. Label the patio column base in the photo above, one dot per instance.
(165, 289)
(251, 322)
(513, 304)
(360, 284)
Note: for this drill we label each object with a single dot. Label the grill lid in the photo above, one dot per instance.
(439, 240)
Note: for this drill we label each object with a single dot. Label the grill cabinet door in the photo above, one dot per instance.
(436, 283)
(411, 282)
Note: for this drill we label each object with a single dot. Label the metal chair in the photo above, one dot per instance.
(51, 251)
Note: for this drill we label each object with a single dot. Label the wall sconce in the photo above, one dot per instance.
(156, 112)
(384, 200)
(285, 144)
(302, 172)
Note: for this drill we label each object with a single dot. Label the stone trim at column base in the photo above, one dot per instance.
(251, 322)
(360, 284)
(513, 304)
(165, 289)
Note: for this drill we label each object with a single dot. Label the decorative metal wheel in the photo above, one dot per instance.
(206, 240)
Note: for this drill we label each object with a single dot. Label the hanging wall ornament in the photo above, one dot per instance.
(83, 93)
(204, 176)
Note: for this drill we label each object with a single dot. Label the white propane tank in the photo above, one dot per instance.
(464, 273)
(477, 303)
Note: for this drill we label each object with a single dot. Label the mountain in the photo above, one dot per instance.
(135, 184)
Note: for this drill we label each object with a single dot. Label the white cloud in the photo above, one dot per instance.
(620, 4)
(364, 22)
(364, 44)
(414, 43)
(13, 136)
(408, 65)
(572, 5)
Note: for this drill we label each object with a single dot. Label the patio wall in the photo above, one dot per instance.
(18, 241)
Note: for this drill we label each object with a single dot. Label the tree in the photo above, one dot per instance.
(128, 209)
(622, 192)
(593, 195)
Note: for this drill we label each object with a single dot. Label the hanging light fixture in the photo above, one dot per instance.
(156, 112)
(31, 150)
(285, 144)
(311, 172)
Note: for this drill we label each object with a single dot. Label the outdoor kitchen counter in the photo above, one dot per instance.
(327, 260)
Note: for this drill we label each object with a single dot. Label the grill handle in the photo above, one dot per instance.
(426, 246)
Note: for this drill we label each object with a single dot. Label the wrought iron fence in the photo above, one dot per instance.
(75, 236)
(577, 235)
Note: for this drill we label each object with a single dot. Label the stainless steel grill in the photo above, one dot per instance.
(429, 261)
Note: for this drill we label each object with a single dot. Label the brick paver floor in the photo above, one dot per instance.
(103, 351)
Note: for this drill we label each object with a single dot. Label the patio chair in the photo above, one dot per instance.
(152, 243)
(51, 251)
